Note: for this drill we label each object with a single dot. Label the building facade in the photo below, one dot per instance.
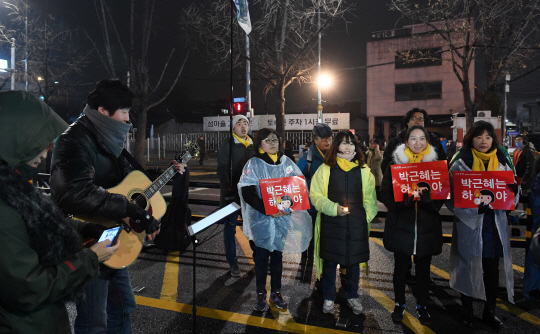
(408, 68)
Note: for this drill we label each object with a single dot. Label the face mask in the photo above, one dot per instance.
(519, 145)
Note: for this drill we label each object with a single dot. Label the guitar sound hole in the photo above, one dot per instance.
(138, 199)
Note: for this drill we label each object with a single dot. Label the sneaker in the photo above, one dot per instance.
(355, 304)
(260, 305)
(275, 297)
(328, 307)
(235, 270)
(423, 315)
(397, 315)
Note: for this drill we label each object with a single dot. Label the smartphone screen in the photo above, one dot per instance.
(110, 234)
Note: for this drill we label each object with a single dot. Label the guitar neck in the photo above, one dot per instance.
(162, 180)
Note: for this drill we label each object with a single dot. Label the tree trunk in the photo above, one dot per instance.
(280, 111)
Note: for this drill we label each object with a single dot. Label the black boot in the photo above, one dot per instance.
(490, 318)
(467, 309)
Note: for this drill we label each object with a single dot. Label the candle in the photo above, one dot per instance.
(346, 209)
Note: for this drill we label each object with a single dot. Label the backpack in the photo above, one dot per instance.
(174, 233)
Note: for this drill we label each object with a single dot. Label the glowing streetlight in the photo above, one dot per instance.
(325, 81)
(39, 78)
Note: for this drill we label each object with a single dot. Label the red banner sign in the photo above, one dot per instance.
(490, 188)
(413, 178)
(286, 193)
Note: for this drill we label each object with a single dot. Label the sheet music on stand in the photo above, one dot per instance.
(213, 218)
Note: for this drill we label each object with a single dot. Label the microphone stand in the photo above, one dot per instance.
(195, 241)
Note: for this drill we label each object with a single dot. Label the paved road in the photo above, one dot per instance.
(225, 304)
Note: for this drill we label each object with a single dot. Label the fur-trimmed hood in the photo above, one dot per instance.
(399, 157)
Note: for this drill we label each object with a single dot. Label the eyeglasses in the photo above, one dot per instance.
(327, 139)
(271, 141)
(414, 119)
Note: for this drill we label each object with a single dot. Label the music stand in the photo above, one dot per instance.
(199, 227)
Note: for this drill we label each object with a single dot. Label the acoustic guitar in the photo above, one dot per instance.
(139, 189)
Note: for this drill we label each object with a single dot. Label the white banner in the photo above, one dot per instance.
(306, 122)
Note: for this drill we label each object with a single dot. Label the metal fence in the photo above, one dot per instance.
(166, 146)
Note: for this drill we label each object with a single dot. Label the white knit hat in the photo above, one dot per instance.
(237, 118)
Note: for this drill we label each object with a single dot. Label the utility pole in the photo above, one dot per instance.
(26, 45)
(13, 64)
(505, 112)
(319, 105)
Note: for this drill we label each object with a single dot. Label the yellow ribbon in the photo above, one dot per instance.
(246, 142)
(416, 157)
(346, 165)
(478, 164)
(272, 156)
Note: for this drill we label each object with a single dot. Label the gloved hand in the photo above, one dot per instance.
(143, 219)
(408, 202)
(513, 187)
(425, 196)
(92, 230)
(482, 208)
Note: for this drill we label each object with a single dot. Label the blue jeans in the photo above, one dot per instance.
(229, 239)
(108, 305)
(329, 280)
(261, 268)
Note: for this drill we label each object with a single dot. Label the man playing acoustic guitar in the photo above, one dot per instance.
(86, 161)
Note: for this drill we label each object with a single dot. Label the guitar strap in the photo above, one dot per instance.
(132, 161)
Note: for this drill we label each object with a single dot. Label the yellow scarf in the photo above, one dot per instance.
(413, 157)
(345, 164)
(272, 156)
(478, 164)
(246, 142)
(318, 149)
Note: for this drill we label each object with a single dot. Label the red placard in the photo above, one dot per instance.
(411, 177)
(473, 188)
(276, 193)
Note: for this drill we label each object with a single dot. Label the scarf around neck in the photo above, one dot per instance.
(345, 164)
(272, 156)
(246, 142)
(111, 132)
(416, 157)
(478, 164)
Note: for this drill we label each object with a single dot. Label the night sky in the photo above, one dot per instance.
(344, 46)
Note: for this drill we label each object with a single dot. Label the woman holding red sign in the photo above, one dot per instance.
(343, 192)
(275, 234)
(480, 235)
(413, 226)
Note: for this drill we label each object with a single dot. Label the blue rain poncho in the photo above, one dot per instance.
(288, 234)
(466, 273)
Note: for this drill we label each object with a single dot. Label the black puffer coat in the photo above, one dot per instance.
(406, 228)
(82, 168)
(399, 139)
(240, 155)
(344, 239)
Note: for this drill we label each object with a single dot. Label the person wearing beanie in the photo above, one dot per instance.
(240, 153)
(86, 161)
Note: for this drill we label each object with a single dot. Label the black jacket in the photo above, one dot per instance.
(240, 155)
(401, 223)
(400, 138)
(344, 239)
(525, 166)
(82, 168)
